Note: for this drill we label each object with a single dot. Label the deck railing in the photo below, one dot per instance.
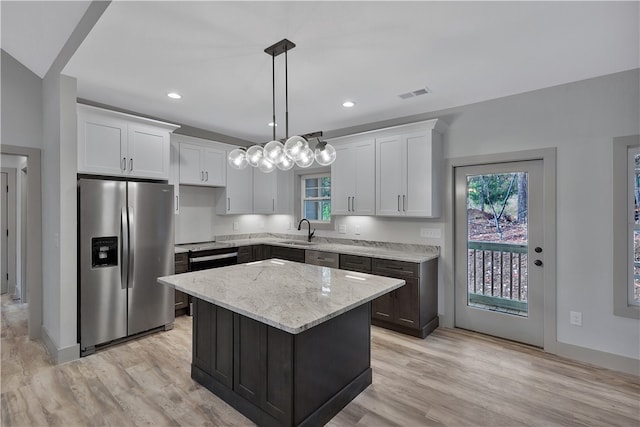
(498, 274)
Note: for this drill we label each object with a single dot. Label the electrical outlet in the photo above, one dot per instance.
(430, 233)
(342, 229)
(235, 226)
(575, 318)
(289, 226)
(356, 230)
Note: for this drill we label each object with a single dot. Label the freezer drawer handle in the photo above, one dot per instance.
(213, 257)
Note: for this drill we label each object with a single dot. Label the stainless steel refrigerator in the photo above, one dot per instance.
(125, 242)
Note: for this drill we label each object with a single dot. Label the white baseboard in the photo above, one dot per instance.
(628, 365)
(57, 355)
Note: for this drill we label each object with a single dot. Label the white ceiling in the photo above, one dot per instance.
(464, 52)
(34, 32)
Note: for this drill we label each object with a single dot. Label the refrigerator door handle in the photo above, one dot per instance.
(124, 248)
(131, 264)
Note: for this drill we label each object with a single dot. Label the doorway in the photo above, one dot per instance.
(4, 287)
(499, 250)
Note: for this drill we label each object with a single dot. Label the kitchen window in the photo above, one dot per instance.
(626, 226)
(316, 197)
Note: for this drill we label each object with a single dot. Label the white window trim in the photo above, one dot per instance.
(623, 226)
(303, 196)
(298, 173)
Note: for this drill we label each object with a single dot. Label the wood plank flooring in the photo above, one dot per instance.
(452, 378)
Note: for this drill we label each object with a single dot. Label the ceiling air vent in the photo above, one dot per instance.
(418, 92)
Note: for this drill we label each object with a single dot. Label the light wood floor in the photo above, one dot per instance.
(453, 378)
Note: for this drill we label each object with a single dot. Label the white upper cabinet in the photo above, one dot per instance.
(201, 165)
(353, 177)
(272, 192)
(237, 196)
(118, 144)
(409, 170)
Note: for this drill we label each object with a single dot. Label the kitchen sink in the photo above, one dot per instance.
(297, 243)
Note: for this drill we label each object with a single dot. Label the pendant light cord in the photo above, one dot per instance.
(273, 86)
(286, 94)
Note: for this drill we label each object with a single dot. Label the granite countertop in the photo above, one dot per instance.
(287, 295)
(391, 251)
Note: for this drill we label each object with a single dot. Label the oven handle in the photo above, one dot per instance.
(213, 257)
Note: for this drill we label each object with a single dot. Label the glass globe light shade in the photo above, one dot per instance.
(294, 146)
(254, 154)
(326, 155)
(237, 159)
(285, 163)
(305, 158)
(273, 151)
(265, 165)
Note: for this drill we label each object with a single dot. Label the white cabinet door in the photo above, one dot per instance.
(265, 191)
(148, 152)
(214, 164)
(363, 199)
(101, 144)
(191, 171)
(237, 196)
(418, 185)
(284, 198)
(118, 144)
(343, 180)
(390, 176)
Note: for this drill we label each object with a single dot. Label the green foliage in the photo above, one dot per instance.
(326, 211)
(490, 190)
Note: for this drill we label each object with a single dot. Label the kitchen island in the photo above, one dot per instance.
(284, 343)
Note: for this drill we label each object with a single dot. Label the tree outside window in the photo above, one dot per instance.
(316, 197)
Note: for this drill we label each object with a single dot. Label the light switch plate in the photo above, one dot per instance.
(357, 230)
(235, 226)
(342, 229)
(575, 318)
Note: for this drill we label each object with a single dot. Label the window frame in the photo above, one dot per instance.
(624, 225)
(304, 198)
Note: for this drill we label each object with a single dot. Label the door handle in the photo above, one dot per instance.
(398, 203)
(228, 203)
(131, 164)
(131, 248)
(207, 175)
(201, 175)
(538, 263)
(124, 247)
(349, 203)
(353, 203)
(124, 164)
(404, 207)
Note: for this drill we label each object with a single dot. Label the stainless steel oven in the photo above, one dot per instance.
(212, 258)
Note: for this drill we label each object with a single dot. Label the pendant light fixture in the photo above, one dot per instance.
(291, 151)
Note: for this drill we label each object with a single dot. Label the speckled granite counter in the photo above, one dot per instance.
(383, 250)
(290, 296)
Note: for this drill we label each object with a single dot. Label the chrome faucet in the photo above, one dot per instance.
(311, 233)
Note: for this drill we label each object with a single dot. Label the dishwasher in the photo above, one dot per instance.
(324, 259)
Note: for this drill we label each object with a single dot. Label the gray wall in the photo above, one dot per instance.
(21, 104)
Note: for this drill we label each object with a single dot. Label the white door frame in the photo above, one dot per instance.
(34, 235)
(548, 156)
(12, 227)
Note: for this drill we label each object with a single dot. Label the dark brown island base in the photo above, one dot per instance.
(284, 343)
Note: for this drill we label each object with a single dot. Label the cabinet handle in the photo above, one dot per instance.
(398, 203)
(207, 175)
(131, 164)
(177, 202)
(228, 203)
(382, 314)
(124, 164)
(353, 203)
(348, 203)
(273, 205)
(201, 175)
(404, 209)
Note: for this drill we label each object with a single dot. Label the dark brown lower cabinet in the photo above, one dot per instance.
(411, 309)
(277, 378)
(252, 253)
(181, 299)
(290, 254)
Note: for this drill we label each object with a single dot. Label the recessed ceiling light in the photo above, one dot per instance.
(272, 124)
(174, 95)
(348, 104)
